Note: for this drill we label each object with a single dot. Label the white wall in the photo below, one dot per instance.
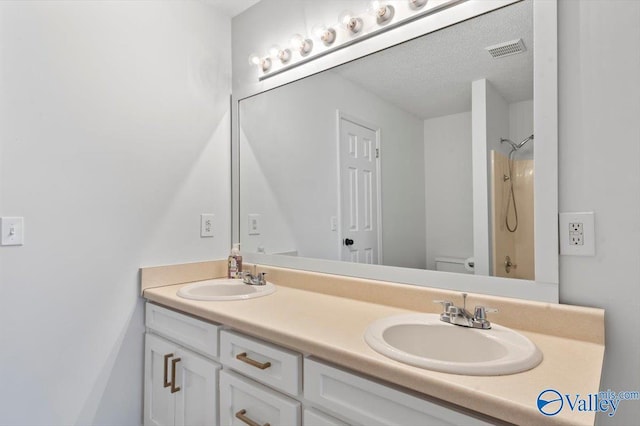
(288, 145)
(599, 89)
(448, 177)
(114, 139)
(521, 127)
(497, 114)
(599, 154)
(490, 123)
(448, 187)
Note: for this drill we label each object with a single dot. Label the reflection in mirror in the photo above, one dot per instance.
(418, 156)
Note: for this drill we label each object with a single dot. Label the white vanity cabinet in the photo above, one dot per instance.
(180, 385)
(259, 383)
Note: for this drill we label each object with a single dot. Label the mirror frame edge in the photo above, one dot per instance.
(545, 288)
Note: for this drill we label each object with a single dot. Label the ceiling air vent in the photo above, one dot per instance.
(507, 48)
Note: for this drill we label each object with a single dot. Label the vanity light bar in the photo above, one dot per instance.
(351, 29)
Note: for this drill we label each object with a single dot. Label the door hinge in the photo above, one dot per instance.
(377, 152)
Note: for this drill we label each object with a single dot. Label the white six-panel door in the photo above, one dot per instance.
(358, 156)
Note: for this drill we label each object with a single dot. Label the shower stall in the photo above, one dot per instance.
(512, 211)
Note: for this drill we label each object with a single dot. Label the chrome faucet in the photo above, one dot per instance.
(460, 316)
(255, 278)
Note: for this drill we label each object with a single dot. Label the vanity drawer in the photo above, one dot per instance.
(243, 401)
(274, 366)
(367, 402)
(193, 333)
(311, 417)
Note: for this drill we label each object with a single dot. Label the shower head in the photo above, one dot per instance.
(516, 146)
(521, 144)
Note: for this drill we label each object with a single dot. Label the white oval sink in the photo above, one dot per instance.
(422, 340)
(225, 289)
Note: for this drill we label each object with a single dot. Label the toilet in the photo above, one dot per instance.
(452, 264)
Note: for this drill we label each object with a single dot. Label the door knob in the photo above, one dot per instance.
(508, 264)
(348, 242)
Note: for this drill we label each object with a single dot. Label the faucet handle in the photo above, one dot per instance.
(445, 304)
(480, 312)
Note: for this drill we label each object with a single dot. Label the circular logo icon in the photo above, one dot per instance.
(550, 402)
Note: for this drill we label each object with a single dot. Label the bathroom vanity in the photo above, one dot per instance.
(259, 382)
(298, 356)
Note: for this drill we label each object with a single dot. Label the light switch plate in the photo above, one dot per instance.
(254, 224)
(12, 229)
(577, 234)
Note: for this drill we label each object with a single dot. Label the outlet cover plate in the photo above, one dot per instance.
(577, 234)
(206, 225)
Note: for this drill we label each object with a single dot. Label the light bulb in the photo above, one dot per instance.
(318, 30)
(352, 23)
(328, 36)
(265, 64)
(284, 55)
(273, 51)
(254, 59)
(301, 44)
(417, 4)
(381, 11)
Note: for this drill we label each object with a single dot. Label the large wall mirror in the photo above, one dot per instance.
(420, 163)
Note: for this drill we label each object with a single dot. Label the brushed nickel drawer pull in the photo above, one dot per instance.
(174, 388)
(166, 370)
(241, 415)
(261, 365)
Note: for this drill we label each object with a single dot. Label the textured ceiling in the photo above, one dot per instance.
(431, 76)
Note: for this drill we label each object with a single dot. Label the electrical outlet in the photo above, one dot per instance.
(576, 240)
(206, 225)
(576, 227)
(577, 234)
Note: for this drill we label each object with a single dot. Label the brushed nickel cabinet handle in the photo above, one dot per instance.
(174, 388)
(166, 370)
(243, 418)
(261, 365)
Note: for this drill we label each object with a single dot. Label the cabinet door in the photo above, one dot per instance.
(159, 402)
(244, 402)
(197, 399)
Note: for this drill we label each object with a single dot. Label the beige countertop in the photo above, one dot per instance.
(315, 322)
